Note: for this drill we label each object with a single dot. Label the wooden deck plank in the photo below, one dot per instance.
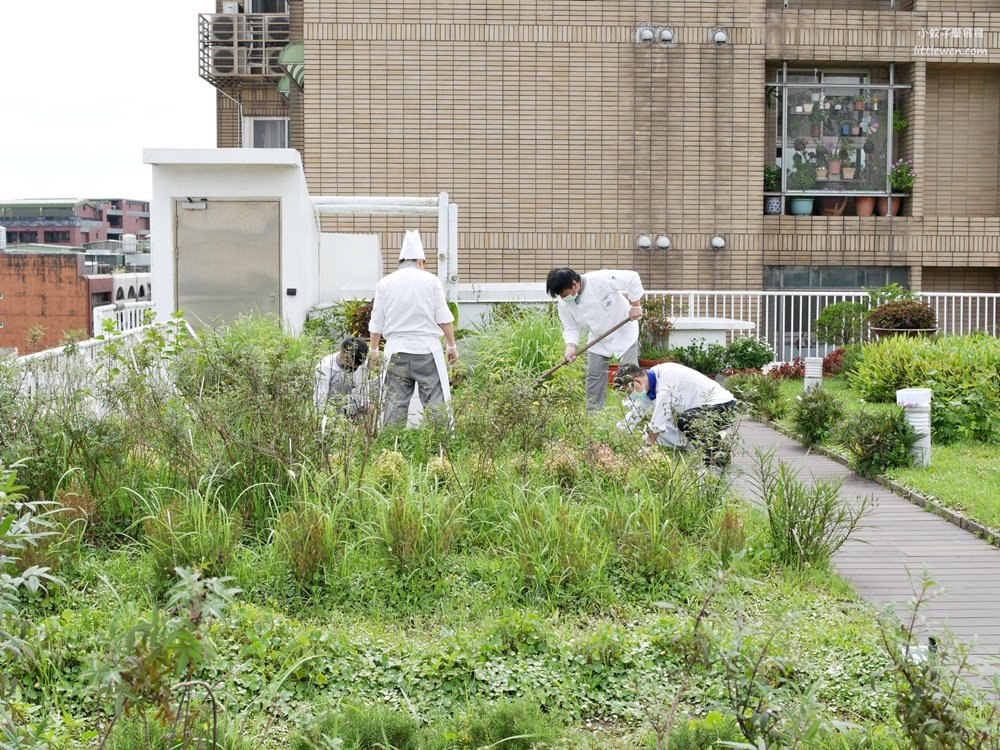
(899, 540)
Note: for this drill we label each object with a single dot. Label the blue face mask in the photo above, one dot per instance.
(569, 298)
(638, 395)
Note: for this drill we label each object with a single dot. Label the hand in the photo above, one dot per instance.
(452, 354)
(373, 358)
(570, 355)
(635, 312)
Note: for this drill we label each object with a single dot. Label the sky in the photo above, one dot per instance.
(89, 86)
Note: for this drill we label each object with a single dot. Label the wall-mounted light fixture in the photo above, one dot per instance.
(718, 242)
(666, 36)
(663, 242)
(720, 37)
(644, 242)
(645, 34)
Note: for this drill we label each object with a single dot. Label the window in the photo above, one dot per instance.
(266, 6)
(832, 277)
(266, 132)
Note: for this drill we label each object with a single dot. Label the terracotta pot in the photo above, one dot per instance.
(821, 173)
(882, 206)
(859, 105)
(834, 167)
(864, 205)
(612, 372)
(848, 172)
(832, 205)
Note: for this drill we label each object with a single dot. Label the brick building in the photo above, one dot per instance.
(583, 132)
(73, 222)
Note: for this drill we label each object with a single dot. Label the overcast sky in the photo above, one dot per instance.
(89, 85)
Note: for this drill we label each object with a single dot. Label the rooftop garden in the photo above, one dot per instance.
(205, 560)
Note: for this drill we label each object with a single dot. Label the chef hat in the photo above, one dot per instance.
(413, 248)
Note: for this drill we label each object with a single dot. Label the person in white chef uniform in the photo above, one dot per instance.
(598, 301)
(410, 312)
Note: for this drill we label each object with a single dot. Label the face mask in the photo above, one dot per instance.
(569, 298)
(637, 395)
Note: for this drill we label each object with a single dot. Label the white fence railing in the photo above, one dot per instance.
(127, 316)
(787, 320)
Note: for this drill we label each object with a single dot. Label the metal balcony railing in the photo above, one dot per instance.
(869, 5)
(239, 47)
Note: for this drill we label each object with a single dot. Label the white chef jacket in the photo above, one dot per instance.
(334, 380)
(408, 311)
(678, 389)
(603, 302)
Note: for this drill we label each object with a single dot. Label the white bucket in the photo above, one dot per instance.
(916, 403)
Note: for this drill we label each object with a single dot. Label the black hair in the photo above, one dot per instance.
(559, 280)
(627, 374)
(356, 350)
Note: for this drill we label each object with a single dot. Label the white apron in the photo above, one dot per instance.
(430, 344)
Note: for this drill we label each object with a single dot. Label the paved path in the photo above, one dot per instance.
(898, 540)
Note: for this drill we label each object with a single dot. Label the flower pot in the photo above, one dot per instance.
(855, 130)
(814, 96)
(859, 104)
(772, 205)
(834, 167)
(845, 129)
(848, 172)
(816, 131)
(882, 206)
(612, 372)
(821, 173)
(801, 206)
(864, 205)
(832, 205)
(647, 363)
(807, 108)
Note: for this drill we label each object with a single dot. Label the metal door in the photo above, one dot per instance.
(227, 258)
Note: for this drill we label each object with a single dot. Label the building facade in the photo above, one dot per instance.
(636, 134)
(73, 222)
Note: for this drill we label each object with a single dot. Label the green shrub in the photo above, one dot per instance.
(760, 392)
(816, 415)
(854, 355)
(903, 314)
(307, 541)
(878, 441)
(708, 359)
(888, 365)
(703, 734)
(807, 522)
(748, 353)
(511, 725)
(360, 728)
(841, 323)
(389, 470)
(194, 530)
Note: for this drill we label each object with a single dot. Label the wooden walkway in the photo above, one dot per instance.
(898, 541)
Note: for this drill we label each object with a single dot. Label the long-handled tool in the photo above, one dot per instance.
(545, 375)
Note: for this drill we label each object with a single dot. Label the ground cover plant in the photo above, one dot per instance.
(239, 569)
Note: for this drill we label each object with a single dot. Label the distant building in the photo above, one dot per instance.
(48, 292)
(73, 222)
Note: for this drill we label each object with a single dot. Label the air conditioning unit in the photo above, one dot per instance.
(279, 30)
(223, 29)
(230, 7)
(273, 65)
(223, 62)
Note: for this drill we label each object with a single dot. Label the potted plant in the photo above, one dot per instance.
(802, 176)
(859, 103)
(901, 177)
(654, 331)
(772, 184)
(818, 118)
(708, 359)
(898, 121)
(847, 168)
(822, 161)
(834, 162)
(907, 317)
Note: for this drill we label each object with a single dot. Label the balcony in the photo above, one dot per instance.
(237, 48)
(840, 5)
(836, 143)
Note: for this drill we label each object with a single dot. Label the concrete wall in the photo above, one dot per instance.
(46, 290)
